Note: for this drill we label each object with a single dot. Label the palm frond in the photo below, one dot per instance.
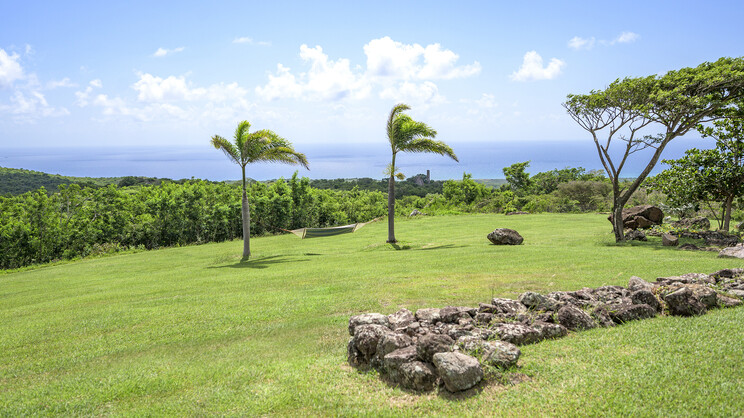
(226, 147)
(240, 134)
(393, 121)
(282, 154)
(431, 146)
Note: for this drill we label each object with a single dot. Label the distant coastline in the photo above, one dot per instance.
(484, 160)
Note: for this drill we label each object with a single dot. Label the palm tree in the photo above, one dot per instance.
(263, 145)
(408, 135)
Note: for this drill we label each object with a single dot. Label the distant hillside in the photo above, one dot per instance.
(495, 183)
(18, 181)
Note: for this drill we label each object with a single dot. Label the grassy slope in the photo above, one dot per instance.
(193, 331)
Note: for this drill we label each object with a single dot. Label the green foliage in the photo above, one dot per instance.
(517, 179)
(412, 186)
(192, 331)
(18, 181)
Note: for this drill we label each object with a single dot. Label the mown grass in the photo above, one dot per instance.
(193, 331)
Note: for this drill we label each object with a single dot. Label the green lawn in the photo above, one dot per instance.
(192, 331)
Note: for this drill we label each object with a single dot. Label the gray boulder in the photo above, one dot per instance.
(507, 307)
(390, 342)
(643, 296)
(682, 302)
(728, 302)
(692, 223)
(736, 251)
(418, 376)
(669, 240)
(505, 236)
(635, 235)
(537, 301)
(430, 315)
(500, 354)
(458, 371)
(400, 319)
(517, 334)
(416, 212)
(547, 331)
(392, 361)
(453, 314)
(636, 283)
(363, 346)
(646, 215)
(366, 319)
(430, 344)
(575, 319)
(626, 313)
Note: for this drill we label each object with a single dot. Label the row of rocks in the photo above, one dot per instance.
(644, 217)
(454, 346)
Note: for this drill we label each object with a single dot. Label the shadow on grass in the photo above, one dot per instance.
(440, 247)
(261, 263)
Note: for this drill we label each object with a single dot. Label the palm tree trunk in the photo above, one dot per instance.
(246, 222)
(391, 204)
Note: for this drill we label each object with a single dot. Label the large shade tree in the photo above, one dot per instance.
(620, 117)
(252, 147)
(712, 175)
(408, 135)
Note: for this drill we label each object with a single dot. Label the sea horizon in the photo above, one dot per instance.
(483, 160)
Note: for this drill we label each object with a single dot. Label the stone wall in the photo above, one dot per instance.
(452, 347)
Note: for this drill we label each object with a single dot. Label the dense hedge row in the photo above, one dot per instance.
(38, 227)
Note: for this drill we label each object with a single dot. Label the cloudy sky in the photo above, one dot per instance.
(170, 74)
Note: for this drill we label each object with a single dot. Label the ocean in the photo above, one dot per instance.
(481, 159)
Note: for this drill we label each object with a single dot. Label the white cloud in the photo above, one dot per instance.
(399, 70)
(161, 52)
(325, 80)
(487, 101)
(171, 98)
(578, 42)
(65, 82)
(387, 58)
(250, 41)
(581, 43)
(627, 37)
(10, 68)
(532, 68)
(425, 93)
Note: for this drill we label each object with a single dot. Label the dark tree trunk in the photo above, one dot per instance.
(618, 226)
(391, 210)
(727, 212)
(246, 215)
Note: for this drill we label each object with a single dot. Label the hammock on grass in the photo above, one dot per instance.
(328, 232)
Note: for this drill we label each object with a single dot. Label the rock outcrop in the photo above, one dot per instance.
(505, 236)
(644, 216)
(451, 347)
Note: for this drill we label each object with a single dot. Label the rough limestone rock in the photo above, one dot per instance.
(707, 296)
(651, 216)
(547, 331)
(575, 319)
(728, 302)
(636, 283)
(430, 344)
(458, 371)
(430, 315)
(418, 376)
(692, 223)
(728, 273)
(401, 319)
(627, 313)
(537, 301)
(416, 212)
(363, 346)
(505, 236)
(500, 354)
(390, 342)
(603, 317)
(682, 302)
(669, 240)
(517, 334)
(453, 314)
(507, 307)
(686, 279)
(736, 251)
(646, 297)
(366, 319)
(392, 361)
(635, 235)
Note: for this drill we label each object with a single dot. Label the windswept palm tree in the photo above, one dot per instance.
(259, 146)
(408, 135)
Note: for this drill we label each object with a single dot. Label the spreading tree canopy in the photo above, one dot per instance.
(621, 117)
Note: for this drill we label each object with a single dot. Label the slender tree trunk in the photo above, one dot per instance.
(246, 222)
(727, 212)
(618, 225)
(391, 204)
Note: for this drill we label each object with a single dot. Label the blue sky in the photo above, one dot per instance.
(167, 74)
